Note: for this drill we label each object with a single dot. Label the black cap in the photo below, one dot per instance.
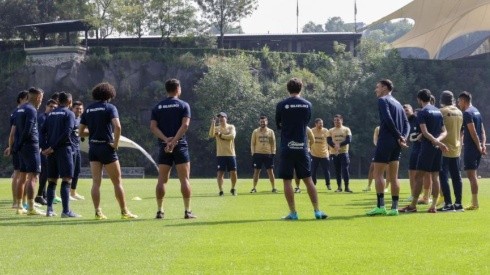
(447, 98)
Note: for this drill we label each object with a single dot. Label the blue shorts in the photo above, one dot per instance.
(16, 161)
(60, 163)
(414, 154)
(387, 150)
(298, 161)
(30, 160)
(179, 155)
(263, 160)
(226, 163)
(471, 159)
(102, 152)
(77, 162)
(429, 159)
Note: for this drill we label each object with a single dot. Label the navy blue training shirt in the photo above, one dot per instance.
(58, 127)
(472, 115)
(41, 119)
(393, 120)
(98, 119)
(168, 114)
(292, 117)
(433, 120)
(26, 125)
(414, 131)
(75, 135)
(13, 117)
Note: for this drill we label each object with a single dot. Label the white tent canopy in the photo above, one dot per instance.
(438, 22)
(124, 142)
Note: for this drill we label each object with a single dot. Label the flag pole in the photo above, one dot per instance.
(355, 16)
(297, 16)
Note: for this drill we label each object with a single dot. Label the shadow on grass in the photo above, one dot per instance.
(44, 221)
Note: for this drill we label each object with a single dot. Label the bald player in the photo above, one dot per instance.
(263, 149)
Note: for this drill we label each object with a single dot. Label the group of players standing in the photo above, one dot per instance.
(434, 133)
(437, 136)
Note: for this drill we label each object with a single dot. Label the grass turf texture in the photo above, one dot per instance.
(244, 234)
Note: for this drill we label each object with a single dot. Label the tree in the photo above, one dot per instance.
(106, 16)
(224, 13)
(335, 24)
(14, 13)
(171, 17)
(389, 31)
(134, 17)
(312, 27)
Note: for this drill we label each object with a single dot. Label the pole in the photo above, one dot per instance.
(297, 16)
(355, 16)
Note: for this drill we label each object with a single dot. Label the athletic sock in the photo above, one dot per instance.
(50, 193)
(394, 202)
(381, 199)
(65, 196)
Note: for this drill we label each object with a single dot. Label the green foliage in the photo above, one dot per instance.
(312, 27)
(244, 234)
(171, 17)
(389, 31)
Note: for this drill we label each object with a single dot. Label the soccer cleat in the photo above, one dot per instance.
(320, 215)
(347, 190)
(338, 190)
(440, 200)
(35, 212)
(79, 197)
(446, 208)
(160, 215)
(329, 187)
(100, 216)
(73, 198)
(70, 214)
(189, 215)
(432, 210)
(233, 192)
(274, 190)
(221, 194)
(458, 208)
(128, 215)
(21, 211)
(253, 190)
(408, 209)
(291, 217)
(423, 201)
(40, 200)
(392, 212)
(472, 207)
(377, 211)
(367, 189)
(57, 200)
(297, 190)
(50, 213)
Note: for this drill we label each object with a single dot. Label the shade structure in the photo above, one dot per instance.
(438, 22)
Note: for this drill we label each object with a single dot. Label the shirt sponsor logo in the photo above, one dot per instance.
(287, 106)
(296, 145)
(56, 113)
(95, 109)
(168, 106)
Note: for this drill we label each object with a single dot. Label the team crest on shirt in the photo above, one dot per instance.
(286, 106)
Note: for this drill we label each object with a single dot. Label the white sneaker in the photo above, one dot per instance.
(79, 197)
(73, 198)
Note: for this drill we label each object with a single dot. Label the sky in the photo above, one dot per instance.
(279, 16)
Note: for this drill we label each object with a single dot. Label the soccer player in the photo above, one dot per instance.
(393, 131)
(414, 138)
(453, 121)
(263, 149)
(57, 129)
(224, 135)
(292, 117)
(28, 148)
(17, 176)
(430, 155)
(339, 140)
(77, 109)
(474, 144)
(43, 176)
(319, 152)
(170, 120)
(104, 130)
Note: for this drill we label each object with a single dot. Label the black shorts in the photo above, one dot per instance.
(102, 152)
(429, 158)
(471, 159)
(16, 161)
(226, 164)
(179, 155)
(77, 162)
(387, 150)
(263, 160)
(60, 163)
(30, 160)
(292, 161)
(414, 154)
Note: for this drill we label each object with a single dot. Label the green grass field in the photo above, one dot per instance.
(244, 234)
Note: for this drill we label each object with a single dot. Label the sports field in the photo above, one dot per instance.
(244, 234)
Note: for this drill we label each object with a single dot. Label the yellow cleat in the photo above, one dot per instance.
(100, 216)
(21, 211)
(35, 212)
(472, 207)
(128, 215)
